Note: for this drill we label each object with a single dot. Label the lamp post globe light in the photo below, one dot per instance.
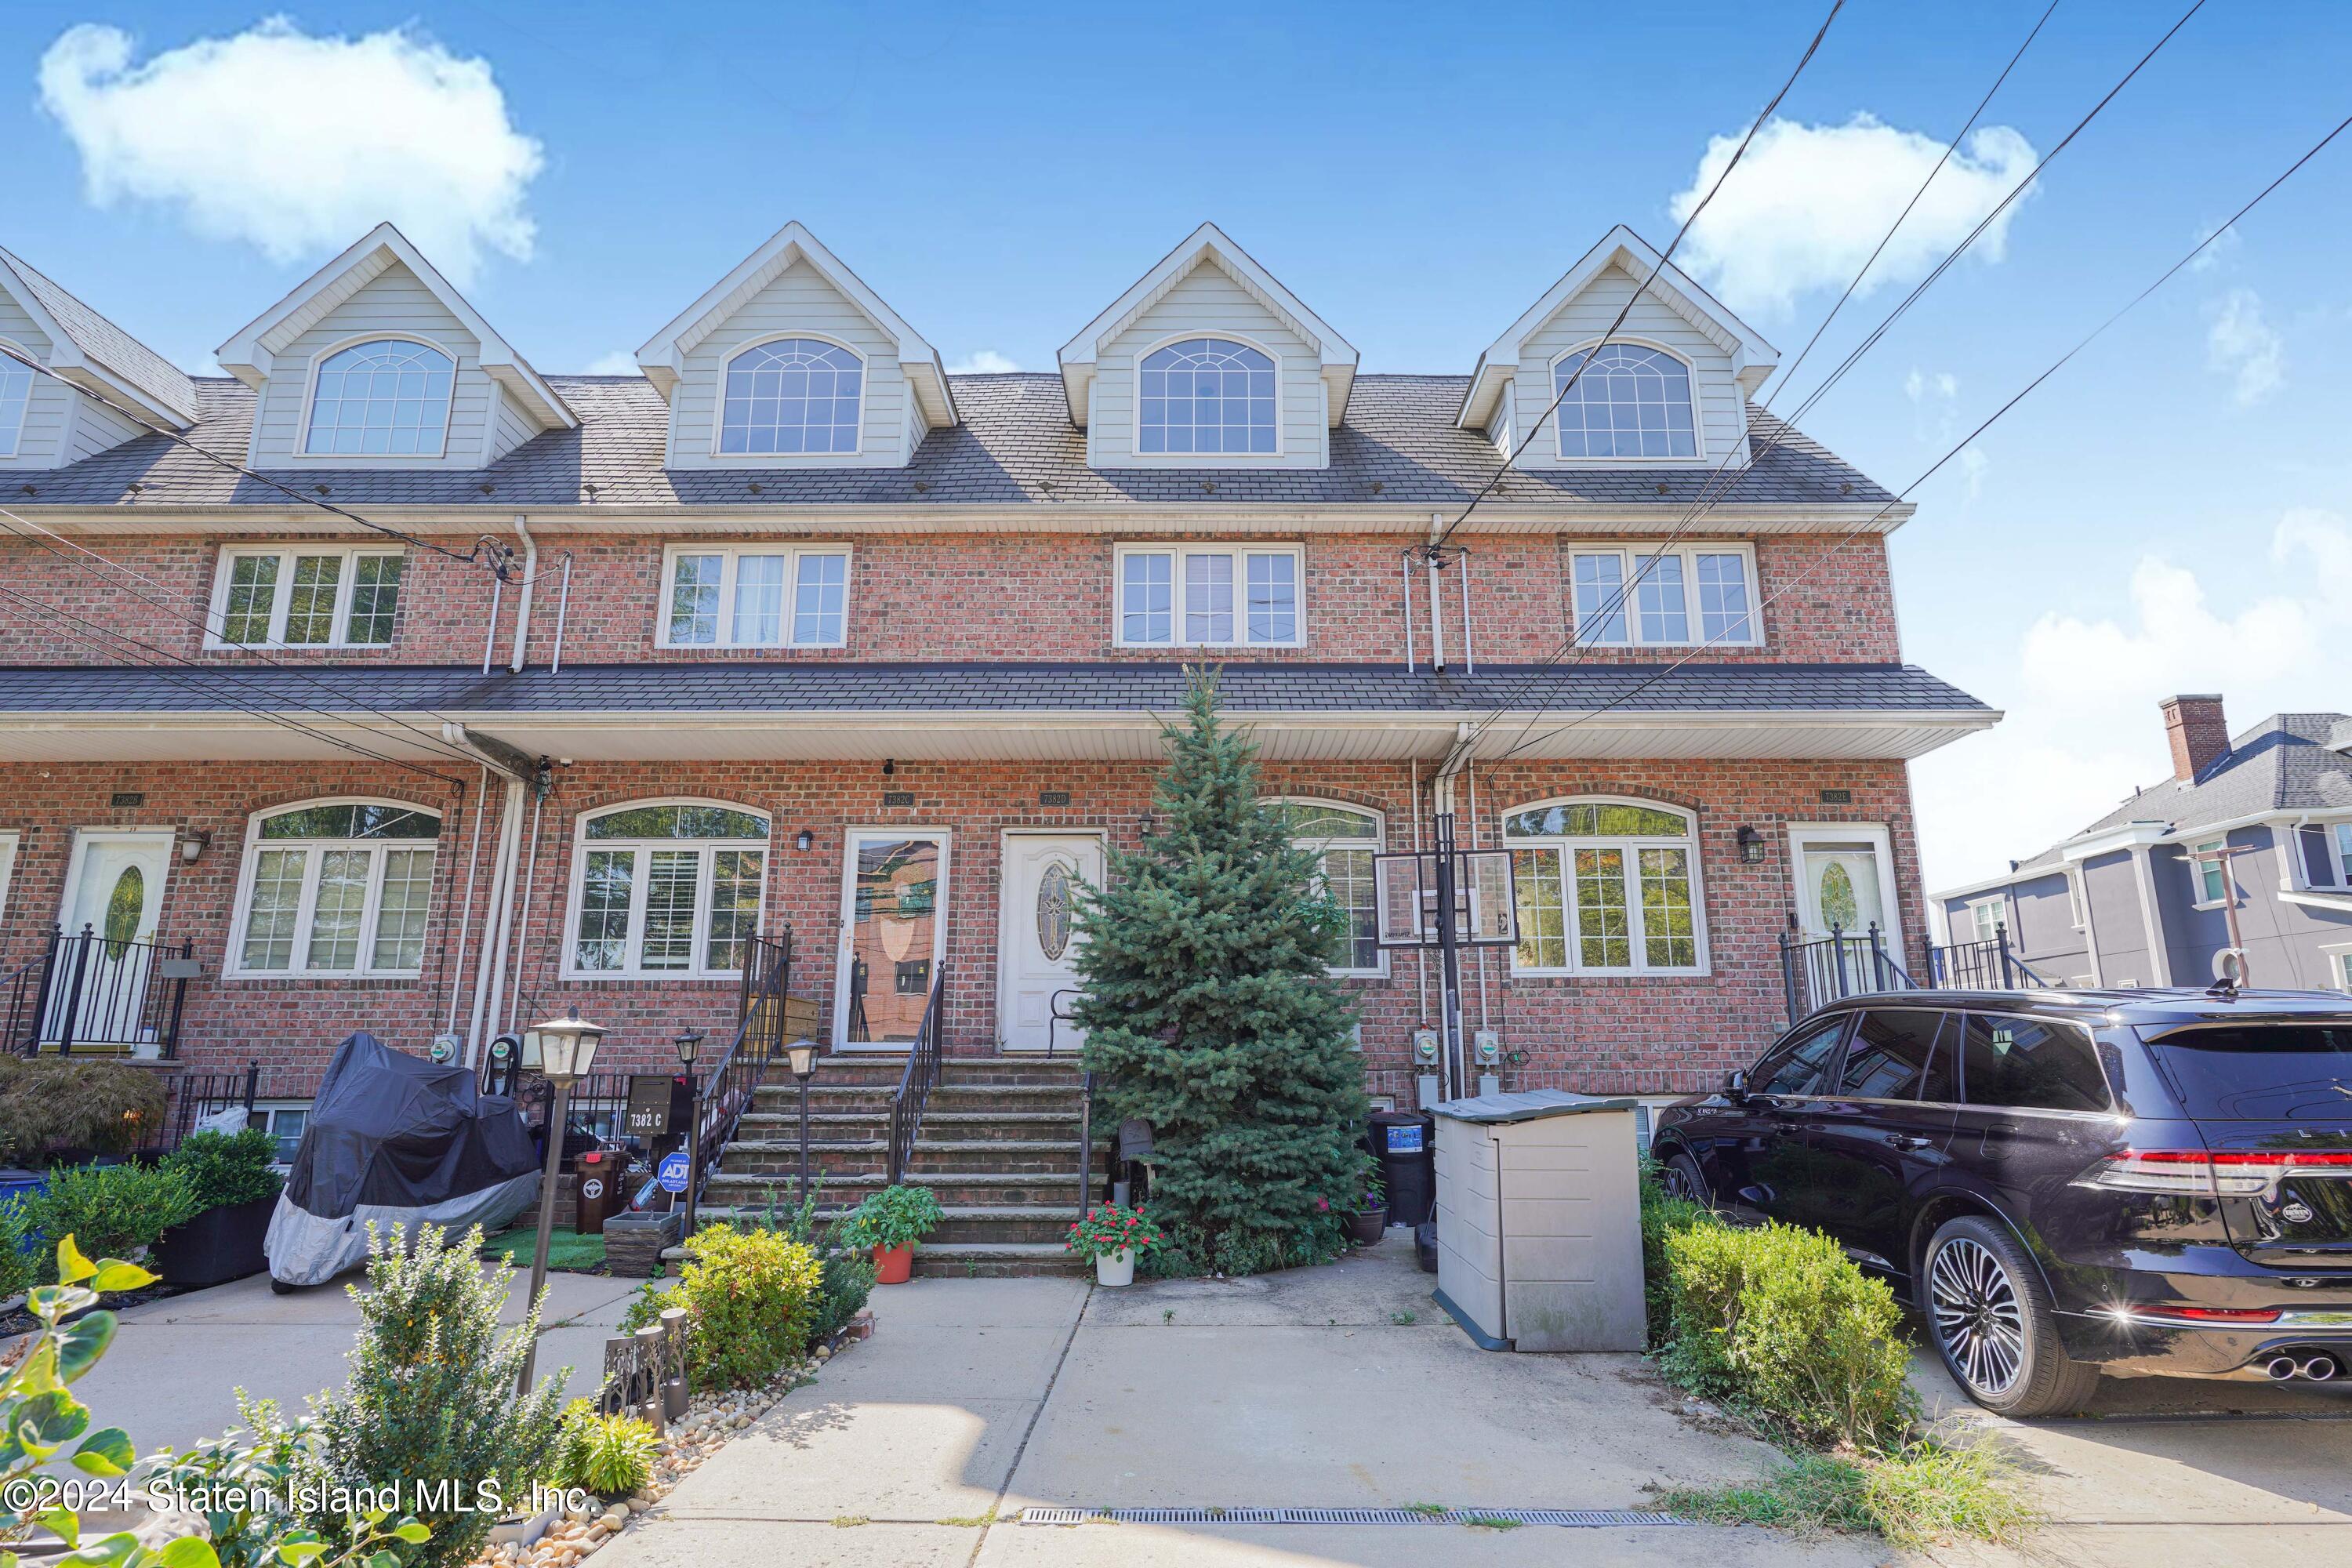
(801, 1057)
(564, 1049)
(690, 1046)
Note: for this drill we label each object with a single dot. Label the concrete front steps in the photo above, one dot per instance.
(998, 1148)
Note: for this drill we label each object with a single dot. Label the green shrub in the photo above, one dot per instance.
(79, 1104)
(893, 1218)
(115, 1209)
(224, 1169)
(611, 1456)
(1778, 1323)
(1662, 1216)
(1921, 1496)
(432, 1389)
(846, 1277)
(749, 1298)
(21, 1256)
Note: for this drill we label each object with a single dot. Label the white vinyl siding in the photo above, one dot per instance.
(1701, 595)
(798, 303)
(754, 595)
(1209, 595)
(43, 430)
(1207, 302)
(1719, 407)
(305, 596)
(396, 303)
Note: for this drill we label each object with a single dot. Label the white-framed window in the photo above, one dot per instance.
(1646, 595)
(1983, 922)
(1606, 887)
(792, 396)
(284, 1120)
(387, 397)
(305, 596)
(1206, 395)
(1343, 839)
(1212, 595)
(335, 888)
(2078, 897)
(1632, 401)
(2213, 876)
(8, 838)
(755, 596)
(2339, 968)
(2341, 834)
(665, 890)
(15, 396)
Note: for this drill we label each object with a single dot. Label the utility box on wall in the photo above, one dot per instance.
(1539, 1221)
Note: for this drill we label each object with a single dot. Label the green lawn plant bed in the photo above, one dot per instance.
(568, 1251)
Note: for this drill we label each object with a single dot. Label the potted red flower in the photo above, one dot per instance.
(1114, 1238)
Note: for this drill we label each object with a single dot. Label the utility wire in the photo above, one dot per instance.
(2020, 396)
(1631, 299)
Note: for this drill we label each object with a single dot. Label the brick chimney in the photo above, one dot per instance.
(2198, 734)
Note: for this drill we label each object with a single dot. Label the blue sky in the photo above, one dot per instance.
(2169, 515)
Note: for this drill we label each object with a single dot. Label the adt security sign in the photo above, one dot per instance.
(672, 1174)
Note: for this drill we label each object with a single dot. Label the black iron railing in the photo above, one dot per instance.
(1986, 964)
(1817, 971)
(923, 1061)
(196, 1095)
(97, 995)
(734, 1080)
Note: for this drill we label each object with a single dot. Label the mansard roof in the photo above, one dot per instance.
(85, 344)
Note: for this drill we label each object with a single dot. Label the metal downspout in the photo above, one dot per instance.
(522, 605)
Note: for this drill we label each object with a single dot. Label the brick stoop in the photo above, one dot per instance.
(998, 1147)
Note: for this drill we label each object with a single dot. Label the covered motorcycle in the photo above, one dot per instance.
(395, 1140)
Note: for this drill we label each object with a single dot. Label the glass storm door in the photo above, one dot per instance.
(893, 937)
(1843, 889)
(1037, 944)
(114, 887)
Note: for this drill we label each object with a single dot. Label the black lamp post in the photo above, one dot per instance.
(690, 1046)
(802, 1055)
(563, 1049)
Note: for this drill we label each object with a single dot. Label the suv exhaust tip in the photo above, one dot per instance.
(2320, 1368)
(2281, 1368)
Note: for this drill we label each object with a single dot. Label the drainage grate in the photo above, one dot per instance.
(1571, 1518)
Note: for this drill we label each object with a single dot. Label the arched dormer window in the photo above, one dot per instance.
(16, 394)
(384, 399)
(1206, 394)
(1631, 402)
(791, 396)
(665, 890)
(1343, 840)
(1606, 887)
(335, 888)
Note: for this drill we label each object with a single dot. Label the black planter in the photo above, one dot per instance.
(1367, 1226)
(217, 1245)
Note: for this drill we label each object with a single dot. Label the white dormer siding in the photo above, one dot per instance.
(1208, 303)
(1718, 406)
(60, 425)
(798, 303)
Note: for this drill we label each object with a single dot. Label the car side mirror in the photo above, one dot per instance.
(1735, 1086)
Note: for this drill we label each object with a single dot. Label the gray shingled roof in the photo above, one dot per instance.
(1016, 445)
(1124, 687)
(2289, 762)
(163, 382)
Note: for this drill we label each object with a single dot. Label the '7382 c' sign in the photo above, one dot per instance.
(648, 1112)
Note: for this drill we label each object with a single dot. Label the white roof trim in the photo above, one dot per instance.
(1752, 358)
(1210, 244)
(663, 357)
(71, 358)
(250, 353)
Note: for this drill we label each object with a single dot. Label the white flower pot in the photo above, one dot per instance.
(1117, 1268)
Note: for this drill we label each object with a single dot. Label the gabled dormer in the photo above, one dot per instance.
(1670, 387)
(1208, 361)
(47, 422)
(374, 360)
(790, 360)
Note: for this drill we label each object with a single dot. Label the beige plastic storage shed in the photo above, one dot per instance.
(1539, 1221)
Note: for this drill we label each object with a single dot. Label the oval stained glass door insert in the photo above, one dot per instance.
(123, 907)
(1840, 911)
(1054, 912)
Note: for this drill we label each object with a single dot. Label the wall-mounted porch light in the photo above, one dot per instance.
(804, 841)
(194, 843)
(1751, 846)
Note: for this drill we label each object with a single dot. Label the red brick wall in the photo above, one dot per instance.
(942, 596)
(1649, 1034)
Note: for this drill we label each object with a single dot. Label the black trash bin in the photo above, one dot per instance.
(1404, 1144)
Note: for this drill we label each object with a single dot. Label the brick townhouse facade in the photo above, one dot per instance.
(799, 630)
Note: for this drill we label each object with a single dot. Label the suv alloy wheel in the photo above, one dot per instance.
(1991, 1319)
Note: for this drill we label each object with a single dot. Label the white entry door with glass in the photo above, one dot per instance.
(893, 936)
(99, 987)
(1845, 888)
(1037, 941)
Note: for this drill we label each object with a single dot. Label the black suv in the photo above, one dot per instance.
(2062, 1181)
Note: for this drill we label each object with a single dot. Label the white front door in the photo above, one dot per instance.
(893, 932)
(1037, 940)
(114, 886)
(1844, 889)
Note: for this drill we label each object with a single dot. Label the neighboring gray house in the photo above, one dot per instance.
(2123, 902)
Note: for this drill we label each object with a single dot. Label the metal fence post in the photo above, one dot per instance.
(2001, 944)
(73, 992)
(1877, 960)
(1837, 956)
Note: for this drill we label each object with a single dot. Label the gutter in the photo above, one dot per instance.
(490, 971)
(522, 606)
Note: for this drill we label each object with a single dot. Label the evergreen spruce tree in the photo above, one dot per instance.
(1210, 1013)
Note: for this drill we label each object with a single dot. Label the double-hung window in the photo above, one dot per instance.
(1343, 840)
(1211, 595)
(1646, 595)
(335, 888)
(666, 890)
(2213, 876)
(1606, 888)
(306, 597)
(755, 596)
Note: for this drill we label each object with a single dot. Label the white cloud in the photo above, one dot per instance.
(1972, 465)
(2214, 254)
(299, 144)
(619, 362)
(987, 361)
(2083, 729)
(1808, 203)
(2246, 348)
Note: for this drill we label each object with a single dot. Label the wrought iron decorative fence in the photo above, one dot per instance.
(734, 1080)
(1817, 971)
(93, 994)
(923, 1062)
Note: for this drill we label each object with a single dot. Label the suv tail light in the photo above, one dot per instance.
(2204, 1173)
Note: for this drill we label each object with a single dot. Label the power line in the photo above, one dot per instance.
(473, 557)
(1631, 299)
(2022, 393)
